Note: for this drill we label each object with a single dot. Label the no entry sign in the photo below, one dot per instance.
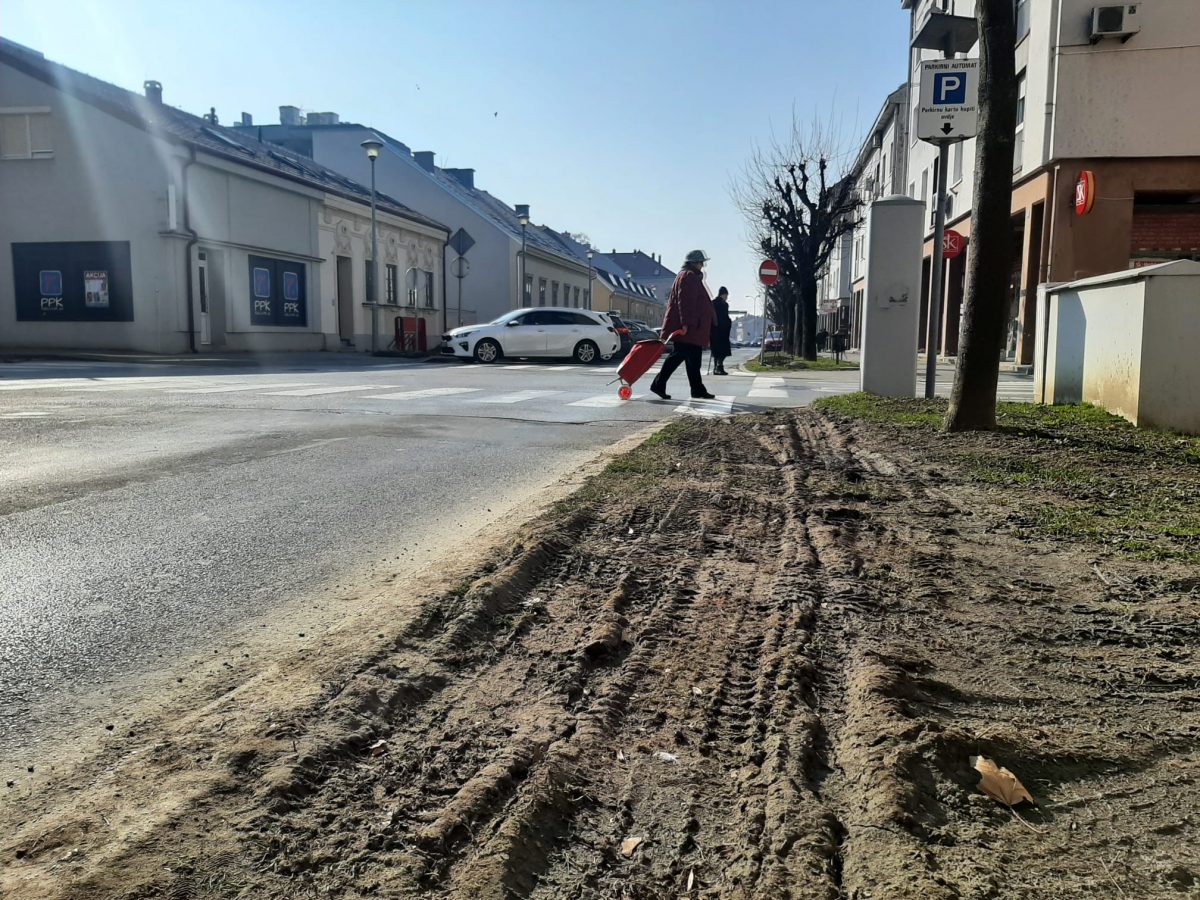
(952, 244)
(768, 272)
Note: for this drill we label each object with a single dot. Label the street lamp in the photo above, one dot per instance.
(591, 277)
(523, 221)
(373, 146)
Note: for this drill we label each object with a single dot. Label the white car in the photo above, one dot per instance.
(582, 334)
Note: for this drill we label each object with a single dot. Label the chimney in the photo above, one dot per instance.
(465, 177)
(289, 115)
(153, 91)
(322, 118)
(247, 120)
(424, 159)
(211, 116)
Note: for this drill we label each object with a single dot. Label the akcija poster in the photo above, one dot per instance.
(95, 289)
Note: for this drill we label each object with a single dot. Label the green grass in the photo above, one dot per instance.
(1073, 472)
(782, 362)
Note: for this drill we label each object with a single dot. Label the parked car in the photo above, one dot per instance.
(623, 330)
(582, 334)
(774, 341)
(640, 331)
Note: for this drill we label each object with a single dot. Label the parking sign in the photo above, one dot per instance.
(947, 107)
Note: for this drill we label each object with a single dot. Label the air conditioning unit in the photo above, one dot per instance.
(1119, 21)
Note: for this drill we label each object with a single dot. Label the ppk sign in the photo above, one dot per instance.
(948, 103)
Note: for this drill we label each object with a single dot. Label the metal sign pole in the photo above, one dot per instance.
(937, 277)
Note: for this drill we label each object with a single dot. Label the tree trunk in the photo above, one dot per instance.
(973, 399)
(808, 306)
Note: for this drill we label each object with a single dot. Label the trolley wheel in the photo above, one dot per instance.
(625, 392)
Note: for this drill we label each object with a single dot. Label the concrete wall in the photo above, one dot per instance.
(107, 181)
(1128, 99)
(1125, 342)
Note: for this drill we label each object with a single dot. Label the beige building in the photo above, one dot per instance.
(1099, 107)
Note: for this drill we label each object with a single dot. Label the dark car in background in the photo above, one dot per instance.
(623, 332)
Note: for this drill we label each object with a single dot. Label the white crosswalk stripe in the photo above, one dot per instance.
(231, 388)
(768, 388)
(721, 406)
(423, 394)
(518, 397)
(600, 401)
(319, 391)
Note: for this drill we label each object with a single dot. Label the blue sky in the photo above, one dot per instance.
(626, 120)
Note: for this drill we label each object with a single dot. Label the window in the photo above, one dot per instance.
(1019, 143)
(528, 301)
(577, 298)
(392, 285)
(428, 289)
(912, 190)
(1022, 12)
(554, 293)
(925, 186)
(958, 163)
(587, 298)
(410, 278)
(25, 134)
(541, 292)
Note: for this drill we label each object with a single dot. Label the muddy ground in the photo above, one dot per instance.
(753, 659)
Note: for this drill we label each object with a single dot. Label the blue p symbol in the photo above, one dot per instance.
(949, 88)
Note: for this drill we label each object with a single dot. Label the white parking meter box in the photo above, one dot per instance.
(892, 297)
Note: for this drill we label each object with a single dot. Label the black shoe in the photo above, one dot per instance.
(705, 396)
(720, 372)
(659, 391)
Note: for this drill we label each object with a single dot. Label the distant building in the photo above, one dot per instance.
(498, 276)
(649, 270)
(127, 224)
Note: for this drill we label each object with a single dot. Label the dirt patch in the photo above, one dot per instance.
(750, 660)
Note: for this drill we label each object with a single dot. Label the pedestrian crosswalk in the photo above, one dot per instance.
(541, 391)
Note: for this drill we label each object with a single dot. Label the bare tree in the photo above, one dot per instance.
(799, 200)
(973, 399)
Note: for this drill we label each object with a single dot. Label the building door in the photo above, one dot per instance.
(345, 299)
(202, 291)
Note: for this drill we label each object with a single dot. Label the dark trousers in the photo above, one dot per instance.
(688, 355)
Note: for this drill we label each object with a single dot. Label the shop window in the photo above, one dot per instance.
(277, 294)
(84, 281)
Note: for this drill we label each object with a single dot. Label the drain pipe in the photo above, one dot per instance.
(187, 253)
(445, 302)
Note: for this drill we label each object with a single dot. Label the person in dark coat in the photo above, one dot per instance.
(719, 345)
(690, 313)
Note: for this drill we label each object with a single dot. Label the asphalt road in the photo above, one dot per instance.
(148, 511)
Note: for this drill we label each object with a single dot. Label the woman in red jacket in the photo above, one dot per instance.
(689, 312)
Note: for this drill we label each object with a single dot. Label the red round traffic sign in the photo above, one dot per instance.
(768, 272)
(952, 244)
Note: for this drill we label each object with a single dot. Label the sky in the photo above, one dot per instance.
(626, 120)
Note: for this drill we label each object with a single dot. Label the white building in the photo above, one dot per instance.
(127, 224)
(1103, 106)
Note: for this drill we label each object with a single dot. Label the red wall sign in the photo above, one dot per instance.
(952, 244)
(1085, 192)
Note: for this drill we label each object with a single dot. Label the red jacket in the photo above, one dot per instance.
(689, 306)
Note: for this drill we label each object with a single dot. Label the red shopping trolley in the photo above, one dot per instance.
(637, 362)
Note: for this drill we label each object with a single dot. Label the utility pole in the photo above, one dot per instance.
(373, 146)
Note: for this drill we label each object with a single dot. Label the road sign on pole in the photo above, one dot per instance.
(948, 103)
(768, 272)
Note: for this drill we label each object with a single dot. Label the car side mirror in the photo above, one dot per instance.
(513, 323)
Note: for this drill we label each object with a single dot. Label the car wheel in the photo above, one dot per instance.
(586, 352)
(487, 351)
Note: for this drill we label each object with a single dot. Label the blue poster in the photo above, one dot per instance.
(262, 283)
(51, 281)
(291, 286)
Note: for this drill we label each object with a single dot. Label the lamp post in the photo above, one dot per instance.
(373, 146)
(523, 219)
(591, 277)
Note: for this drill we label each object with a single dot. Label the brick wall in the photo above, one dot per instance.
(1166, 230)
